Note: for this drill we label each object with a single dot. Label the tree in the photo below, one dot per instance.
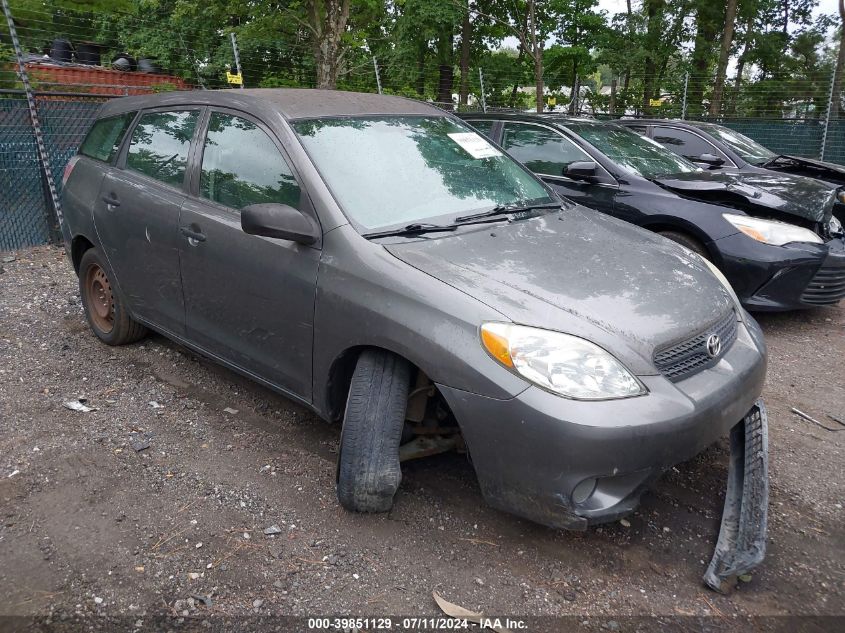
(327, 21)
(724, 54)
(580, 29)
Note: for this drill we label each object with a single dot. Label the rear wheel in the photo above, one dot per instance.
(104, 309)
(687, 240)
(368, 473)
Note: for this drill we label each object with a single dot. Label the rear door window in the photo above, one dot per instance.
(241, 165)
(160, 143)
(542, 150)
(684, 143)
(105, 137)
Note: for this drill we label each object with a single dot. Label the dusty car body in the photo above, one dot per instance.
(577, 356)
(718, 147)
(720, 215)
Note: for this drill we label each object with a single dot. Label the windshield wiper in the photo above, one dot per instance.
(504, 209)
(417, 228)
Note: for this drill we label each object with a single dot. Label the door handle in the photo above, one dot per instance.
(193, 236)
(111, 201)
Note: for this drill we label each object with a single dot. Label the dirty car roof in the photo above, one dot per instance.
(291, 103)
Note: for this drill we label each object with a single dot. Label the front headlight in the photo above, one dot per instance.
(771, 231)
(563, 364)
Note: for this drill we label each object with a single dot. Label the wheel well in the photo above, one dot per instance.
(78, 247)
(659, 227)
(340, 377)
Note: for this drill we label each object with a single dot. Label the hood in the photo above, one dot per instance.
(768, 194)
(583, 273)
(809, 167)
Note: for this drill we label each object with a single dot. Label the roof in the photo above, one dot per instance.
(545, 117)
(292, 103)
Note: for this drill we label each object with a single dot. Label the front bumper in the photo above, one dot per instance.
(536, 454)
(773, 278)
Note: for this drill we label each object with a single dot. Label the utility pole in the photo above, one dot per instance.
(378, 79)
(237, 59)
(483, 100)
(684, 105)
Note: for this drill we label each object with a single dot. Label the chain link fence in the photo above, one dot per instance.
(26, 216)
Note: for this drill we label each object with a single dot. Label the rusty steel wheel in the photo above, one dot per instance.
(104, 308)
(100, 298)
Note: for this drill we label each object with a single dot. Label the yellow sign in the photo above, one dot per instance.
(655, 102)
(551, 101)
(236, 78)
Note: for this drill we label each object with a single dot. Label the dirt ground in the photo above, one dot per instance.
(92, 529)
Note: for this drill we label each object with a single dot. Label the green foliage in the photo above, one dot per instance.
(779, 48)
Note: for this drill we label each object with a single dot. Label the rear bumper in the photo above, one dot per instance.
(773, 278)
(569, 464)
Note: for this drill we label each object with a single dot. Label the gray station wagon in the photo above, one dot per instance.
(378, 261)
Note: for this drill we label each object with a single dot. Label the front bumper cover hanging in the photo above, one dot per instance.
(742, 537)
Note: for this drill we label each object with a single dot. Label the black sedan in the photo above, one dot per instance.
(715, 146)
(774, 236)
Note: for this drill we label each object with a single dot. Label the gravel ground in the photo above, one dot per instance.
(91, 528)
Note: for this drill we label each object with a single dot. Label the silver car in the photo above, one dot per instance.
(376, 260)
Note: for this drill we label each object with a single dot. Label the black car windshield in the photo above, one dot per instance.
(393, 170)
(631, 151)
(748, 150)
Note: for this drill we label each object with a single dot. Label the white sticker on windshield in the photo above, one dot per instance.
(474, 145)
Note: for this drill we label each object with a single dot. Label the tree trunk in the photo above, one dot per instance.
(612, 107)
(421, 54)
(327, 19)
(573, 91)
(446, 69)
(466, 34)
(740, 64)
(836, 91)
(701, 57)
(724, 55)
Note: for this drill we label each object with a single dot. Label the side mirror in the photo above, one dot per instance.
(708, 159)
(581, 170)
(280, 221)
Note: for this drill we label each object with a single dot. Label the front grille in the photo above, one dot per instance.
(683, 359)
(826, 287)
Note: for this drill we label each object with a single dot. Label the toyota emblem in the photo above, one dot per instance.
(714, 345)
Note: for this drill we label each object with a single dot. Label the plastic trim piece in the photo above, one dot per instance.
(742, 537)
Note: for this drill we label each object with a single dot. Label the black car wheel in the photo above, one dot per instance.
(104, 309)
(368, 473)
(686, 240)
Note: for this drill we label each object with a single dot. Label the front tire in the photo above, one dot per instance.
(369, 473)
(104, 309)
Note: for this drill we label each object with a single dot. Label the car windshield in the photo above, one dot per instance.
(389, 171)
(631, 151)
(748, 150)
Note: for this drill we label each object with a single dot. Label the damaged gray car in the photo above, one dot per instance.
(376, 260)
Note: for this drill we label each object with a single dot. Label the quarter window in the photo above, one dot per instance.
(242, 166)
(160, 143)
(542, 151)
(105, 137)
(485, 127)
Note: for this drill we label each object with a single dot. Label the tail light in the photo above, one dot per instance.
(69, 168)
